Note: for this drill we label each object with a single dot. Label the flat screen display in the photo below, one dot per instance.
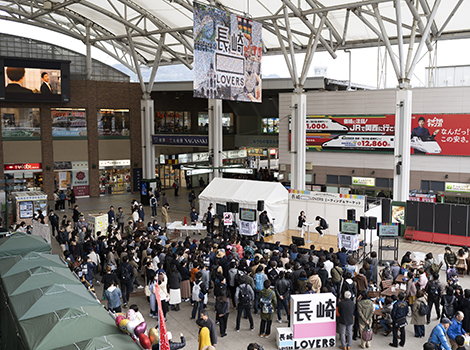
(34, 80)
(220, 209)
(247, 214)
(388, 230)
(349, 227)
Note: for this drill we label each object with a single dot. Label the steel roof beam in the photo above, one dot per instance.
(315, 4)
(310, 53)
(401, 51)
(295, 77)
(309, 25)
(284, 52)
(421, 27)
(451, 15)
(427, 11)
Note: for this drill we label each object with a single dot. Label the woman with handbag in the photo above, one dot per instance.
(365, 311)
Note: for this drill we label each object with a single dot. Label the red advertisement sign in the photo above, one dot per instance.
(444, 134)
(23, 166)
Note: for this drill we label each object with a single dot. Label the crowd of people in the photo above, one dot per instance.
(246, 278)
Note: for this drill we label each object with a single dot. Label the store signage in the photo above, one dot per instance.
(227, 55)
(136, 178)
(363, 181)
(23, 166)
(201, 157)
(113, 163)
(80, 165)
(431, 198)
(198, 171)
(239, 153)
(180, 140)
(185, 158)
(228, 219)
(62, 165)
(237, 171)
(80, 183)
(265, 141)
(313, 322)
(327, 198)
(35, 197)
(457, 187)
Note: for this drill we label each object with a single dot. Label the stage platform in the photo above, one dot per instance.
(326, 242)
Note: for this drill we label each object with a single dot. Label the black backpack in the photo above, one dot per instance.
(220, 306)
(449, 307)
(423, 309)
(124, 274)
(433, 289)
(244, 296)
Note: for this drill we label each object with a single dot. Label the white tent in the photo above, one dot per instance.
(247, 193)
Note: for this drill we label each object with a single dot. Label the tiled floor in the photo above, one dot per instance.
(180, 321)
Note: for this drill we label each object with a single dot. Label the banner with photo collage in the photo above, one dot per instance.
(227, 55)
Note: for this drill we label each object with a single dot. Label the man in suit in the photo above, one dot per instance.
(45, 87)
(16, 77)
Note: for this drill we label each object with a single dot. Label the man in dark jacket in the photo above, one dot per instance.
(76, 215)
(125, 274)
(346, 320)
(283, 290)
(399, 312)
(54, 220)
(244, 296)
(173, 345)
(210, 324)
(434, 289)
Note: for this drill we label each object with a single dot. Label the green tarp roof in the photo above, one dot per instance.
(111, 342)
(15, 264)
(64, 327)
(37, 277)
(39, 301)
(21, 243)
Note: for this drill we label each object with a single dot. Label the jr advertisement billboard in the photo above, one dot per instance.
(445, 134)
(227, 55)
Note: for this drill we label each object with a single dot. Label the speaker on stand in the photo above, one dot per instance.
(351, 214)
(260, 205)
(235, 207)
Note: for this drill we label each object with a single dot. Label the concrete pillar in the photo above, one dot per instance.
(148, 150)
(298, 146)
(401, 177)
(215, 135)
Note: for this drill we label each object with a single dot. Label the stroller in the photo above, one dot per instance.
(452, 277)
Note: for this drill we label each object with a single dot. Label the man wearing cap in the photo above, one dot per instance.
(438, 335)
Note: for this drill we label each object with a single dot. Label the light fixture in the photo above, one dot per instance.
(47, 5)
(373, 172)
(447, 176)
(353, 171)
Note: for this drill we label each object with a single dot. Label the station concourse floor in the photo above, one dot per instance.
(180, 321)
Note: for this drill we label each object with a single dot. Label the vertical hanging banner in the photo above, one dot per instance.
(227, 55)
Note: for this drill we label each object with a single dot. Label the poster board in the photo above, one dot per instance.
(349, 242)
(248, 228)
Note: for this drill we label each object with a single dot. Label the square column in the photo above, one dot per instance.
(401, 177)
(298, 146)
(215, 135)
(148, 127)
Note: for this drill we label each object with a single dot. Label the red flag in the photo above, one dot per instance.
(164, 343)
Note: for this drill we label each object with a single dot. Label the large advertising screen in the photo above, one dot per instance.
(444, 134)
(227, 55)
(20, 123)
(34, 80)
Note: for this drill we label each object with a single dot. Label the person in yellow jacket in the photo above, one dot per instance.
(204, 334)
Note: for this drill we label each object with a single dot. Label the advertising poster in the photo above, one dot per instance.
(227, 55)
(80, 183)
(20, 123)
(248, 228)
(63, 180)
(445, 134)
(68, 123)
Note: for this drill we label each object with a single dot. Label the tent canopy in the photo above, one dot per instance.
(37, 277)
(247, 193)
(15, 264)
(39, 301)
(21, 243)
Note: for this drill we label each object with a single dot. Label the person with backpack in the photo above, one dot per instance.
(449, 303)
(197, 296)
(125, 274)
(431, 265)
(434, 290)
(419, 311)
(348, 285)
(450, 258)
(345, 320)
(244, 296)
(399, 312)
(259, 279)
(268, 303)
(336, 276)
(283, 291)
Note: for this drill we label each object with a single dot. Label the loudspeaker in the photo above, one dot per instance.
(229, 207)
(298, 241)
(372, 223)
(260, 205)
(235, 207)
(386, 210)
(352, 214)
(364, 223)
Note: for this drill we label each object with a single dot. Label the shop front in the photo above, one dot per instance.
(115, 177)
(30, 172)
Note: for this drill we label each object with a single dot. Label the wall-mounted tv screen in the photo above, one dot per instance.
(388, 230)
(349, 227)
(247, 214)
(32, 80)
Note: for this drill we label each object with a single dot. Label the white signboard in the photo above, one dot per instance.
(110, 163)
(228, 219)
(363, 181)
(457, 187)
(248, 228)
(349, 242)
(313, 322)
(329, 198)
